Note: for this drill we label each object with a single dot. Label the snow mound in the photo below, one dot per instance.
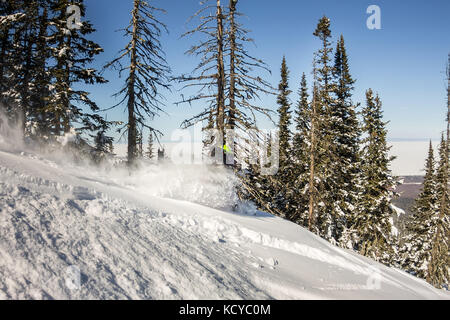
(210, 186)
(69, 232)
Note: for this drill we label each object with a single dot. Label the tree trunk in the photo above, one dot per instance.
(3, 48)
(26, 79)
(132, 134)
(59, 108)
(42, 80)
(232, 93)
(232, 111)
(312, 164)
(220, 77)
(67, 111)
(448, 100)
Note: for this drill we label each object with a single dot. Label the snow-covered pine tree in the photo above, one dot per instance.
(325, 221)
(72, 54)
(45, 59)
(283, 186)
(20, 29)
(448, 100)
(147, 72)
(425, 251)
(300, 151)
(345, 129)
(103, 144)
(208, 137)
(438, 267)
(314, 182)
(140, 144)
(257, 187)
(373, 229)
(7, 20)
(284, 114)
(438, 273)
(150, 154)
(11, 19)
(40, 120)
(5, 31)
(415, 253)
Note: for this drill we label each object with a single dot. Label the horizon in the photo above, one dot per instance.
(410, 155)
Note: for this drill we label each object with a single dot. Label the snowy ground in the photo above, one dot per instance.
(164, 234)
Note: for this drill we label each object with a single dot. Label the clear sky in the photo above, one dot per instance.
(404, 61)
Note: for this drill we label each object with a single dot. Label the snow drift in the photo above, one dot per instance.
(211, 186)
(11, 137)
(71, 232)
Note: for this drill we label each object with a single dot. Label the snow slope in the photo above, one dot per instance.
(155, 235)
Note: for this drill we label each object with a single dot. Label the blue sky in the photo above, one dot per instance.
(404, 61)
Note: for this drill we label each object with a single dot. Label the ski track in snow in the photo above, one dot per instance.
(132, 245)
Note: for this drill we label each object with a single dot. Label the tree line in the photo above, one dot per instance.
(334, 175)
(424, 251)
(334, 171)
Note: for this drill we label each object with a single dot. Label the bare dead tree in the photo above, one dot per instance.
(147, 72)
(244, 87)
(229, 92)
(208, 76)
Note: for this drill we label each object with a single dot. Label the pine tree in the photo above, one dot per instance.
(72, 54)
(11, 18)
(147, 72)
(272, 193)
(373, 223)
(438, 267)
(24, 38)
(208, 138)
(322, 204)
(150, 152)
(425, 252)
(140, 144)
(8, 18)
(346, 135)
(44, 60)
(438, 270)
(283, 193)
(17, 56)
(40, 120)
(301, 153)
(103, 144)
(32, 78)
(448, 100)
(256, 186)
(416, 251)
(284, 114)
(314, 152)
